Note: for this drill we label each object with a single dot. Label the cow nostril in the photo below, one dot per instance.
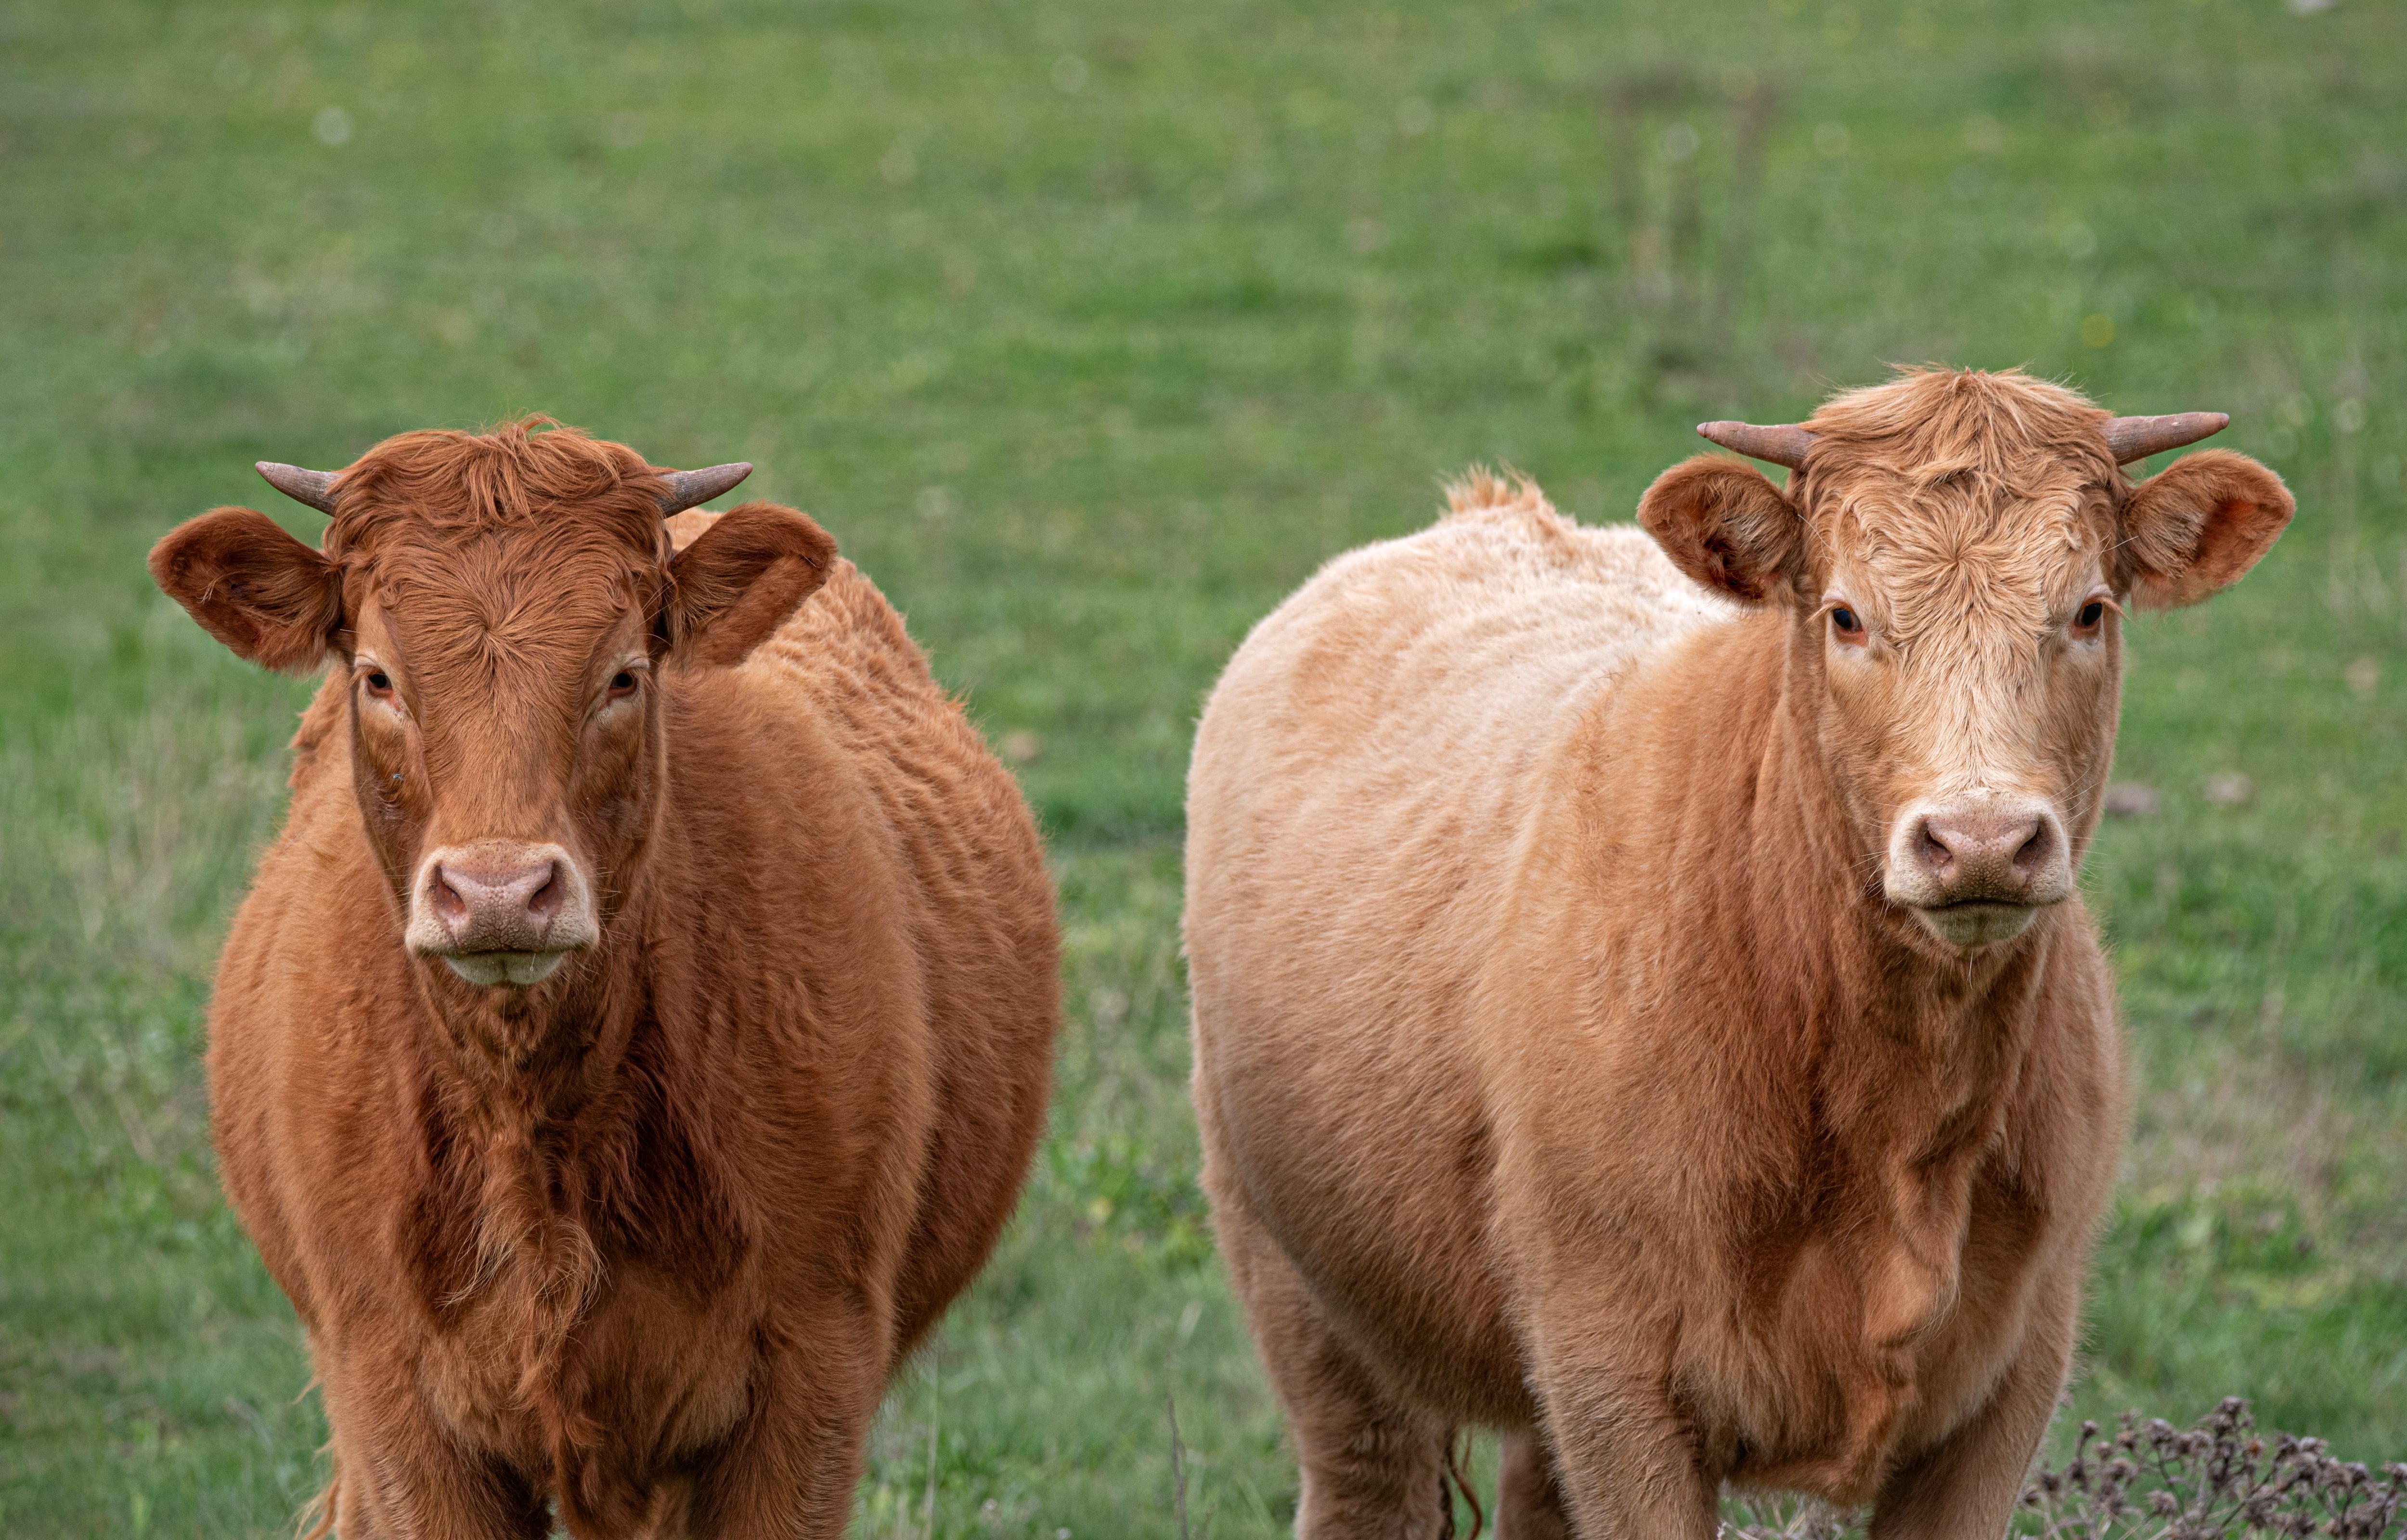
(449, 906)
(1935, 852)
(545, 900)
(2033, 851)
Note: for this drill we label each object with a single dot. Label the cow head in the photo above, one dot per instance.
(1957, 551)
(510, 611)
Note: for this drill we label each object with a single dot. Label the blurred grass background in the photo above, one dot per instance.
(1090, 329)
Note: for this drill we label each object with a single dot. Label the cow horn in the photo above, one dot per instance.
(2136, 438)
(314, 488)
(689, 487)
(1785, 445)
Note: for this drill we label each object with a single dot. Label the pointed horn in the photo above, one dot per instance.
(689, 487)
(2136, 438)
(1785, 445)
(314, 488)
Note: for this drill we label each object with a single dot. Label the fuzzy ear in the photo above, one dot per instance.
(686, 528)
(741, 577)
(1723, 523)
(2191, 529)
(262, 593)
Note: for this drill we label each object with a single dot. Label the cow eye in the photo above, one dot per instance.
(622, 684)
(1843, 621)
(2091, 614)
(379, 682)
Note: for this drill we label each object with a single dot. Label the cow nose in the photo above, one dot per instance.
(1997, 854)
(501, 910)
(488, 909)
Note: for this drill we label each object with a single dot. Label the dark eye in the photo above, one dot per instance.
(623, 684)
(2091, 614)
(379, 682)
(1845, 619)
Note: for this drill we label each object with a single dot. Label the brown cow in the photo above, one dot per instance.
(1641, 1000)
(643, 1025)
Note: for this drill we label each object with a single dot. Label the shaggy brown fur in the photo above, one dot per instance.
(1596, 1036)
(644, 1240)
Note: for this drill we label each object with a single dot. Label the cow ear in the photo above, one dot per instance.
(262, 593)
(740, 579)
(1722, 522)
(2191, 529)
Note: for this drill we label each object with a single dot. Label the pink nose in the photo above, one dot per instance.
(1993, 854)
(496, 910)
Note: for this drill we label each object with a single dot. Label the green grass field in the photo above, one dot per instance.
(1090, 329)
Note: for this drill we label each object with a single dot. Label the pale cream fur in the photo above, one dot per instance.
(1561, 1064)
(1370, 779)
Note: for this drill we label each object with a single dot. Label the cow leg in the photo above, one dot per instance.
(1624, 1455)
(399, 1473)
(483, 1506)
(1968, 1483)
(1529, 1503)
(789, 1471)
(1371, 1467)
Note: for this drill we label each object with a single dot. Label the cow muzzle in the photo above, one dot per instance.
(501, 913)
(1976, 871)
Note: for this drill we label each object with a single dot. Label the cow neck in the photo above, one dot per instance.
(539, 1064)
(525, 1120)
(1872, 983)
(1899, 1068)
(526, 1117)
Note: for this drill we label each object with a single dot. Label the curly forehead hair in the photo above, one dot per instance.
(441, 486)
(1929, 424)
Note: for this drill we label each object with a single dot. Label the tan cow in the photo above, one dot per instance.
(643, 1025)
(1642, 999)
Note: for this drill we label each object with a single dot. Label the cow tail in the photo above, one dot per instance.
(320, 1507)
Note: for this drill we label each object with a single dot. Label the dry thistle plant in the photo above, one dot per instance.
(2150, 1481)
(2153, 1482)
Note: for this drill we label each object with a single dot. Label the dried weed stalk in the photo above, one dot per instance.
(2220, 1480)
